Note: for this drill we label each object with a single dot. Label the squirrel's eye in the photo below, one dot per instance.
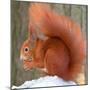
(26, 49)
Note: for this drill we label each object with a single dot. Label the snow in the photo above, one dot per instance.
(46, 81)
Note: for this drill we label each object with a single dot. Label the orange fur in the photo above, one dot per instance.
(63, 52)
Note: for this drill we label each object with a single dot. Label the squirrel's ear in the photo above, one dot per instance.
(35, 33)
(32, 34)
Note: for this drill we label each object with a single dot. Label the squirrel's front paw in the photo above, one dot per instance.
(26, 68)
(26, 65)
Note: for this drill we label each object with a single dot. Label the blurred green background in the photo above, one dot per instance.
(19, 32)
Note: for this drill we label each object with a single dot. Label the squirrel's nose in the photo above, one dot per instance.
(21, 57)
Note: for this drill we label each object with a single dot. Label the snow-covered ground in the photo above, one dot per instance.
(46, 81)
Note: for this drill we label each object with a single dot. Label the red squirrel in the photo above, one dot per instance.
(55, 43)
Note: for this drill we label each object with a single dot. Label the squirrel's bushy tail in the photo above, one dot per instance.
(62, 27)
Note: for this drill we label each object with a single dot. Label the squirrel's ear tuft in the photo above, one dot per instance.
(32, 35)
